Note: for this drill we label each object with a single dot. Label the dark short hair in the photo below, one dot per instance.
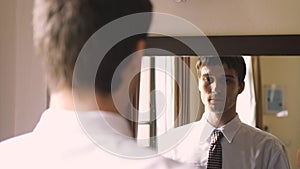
(233, 62)
(62, 27)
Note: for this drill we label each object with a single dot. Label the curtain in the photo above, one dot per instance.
(258, 91)
(246, 101)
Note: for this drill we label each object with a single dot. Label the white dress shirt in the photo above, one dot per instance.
(243, 147)
(68, 140)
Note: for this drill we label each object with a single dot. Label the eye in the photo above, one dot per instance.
(224, 79)
(208, 79)
(229, 79)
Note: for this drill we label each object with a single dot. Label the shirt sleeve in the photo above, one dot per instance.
(279, 158)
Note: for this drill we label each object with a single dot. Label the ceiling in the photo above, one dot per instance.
(230, 17)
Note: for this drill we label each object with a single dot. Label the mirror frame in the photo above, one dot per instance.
(251, 45)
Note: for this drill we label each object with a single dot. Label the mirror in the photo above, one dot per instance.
(279, 68)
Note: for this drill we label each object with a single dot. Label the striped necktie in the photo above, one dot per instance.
(215, 151)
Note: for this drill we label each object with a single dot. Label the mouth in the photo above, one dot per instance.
(216, 99)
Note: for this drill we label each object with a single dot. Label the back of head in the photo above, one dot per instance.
(233, 62)
(62, 27)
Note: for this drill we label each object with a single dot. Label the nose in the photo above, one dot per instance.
(219, 86)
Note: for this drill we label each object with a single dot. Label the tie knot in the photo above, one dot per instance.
(216, 136)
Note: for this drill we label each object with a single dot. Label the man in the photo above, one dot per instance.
(83, 127)
(221, 80)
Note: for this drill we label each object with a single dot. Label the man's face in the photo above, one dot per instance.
(219, 88)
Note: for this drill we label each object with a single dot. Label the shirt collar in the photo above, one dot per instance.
(96, 121)
(229, 130)
(205, 129)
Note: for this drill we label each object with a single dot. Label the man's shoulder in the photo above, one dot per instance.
(16, 152)
(180, 139)
(24, 151)
(16, 141)
(260, 136)
(17, 146)
(184, 132)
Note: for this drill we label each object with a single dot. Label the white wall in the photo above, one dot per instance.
(233, 17)
(23, 91)
(30, 86)
(7, 67)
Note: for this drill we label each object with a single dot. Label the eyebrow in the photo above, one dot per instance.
(229, 76)
(206, 74)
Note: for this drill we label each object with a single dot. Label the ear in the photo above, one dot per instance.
(138, 54)
(242, 87)
(141, 44)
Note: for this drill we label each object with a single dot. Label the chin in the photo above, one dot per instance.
(217, 109)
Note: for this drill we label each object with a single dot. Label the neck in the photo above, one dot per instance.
(62, 99)
(84, 100)
(106, 103)
(218, 119)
